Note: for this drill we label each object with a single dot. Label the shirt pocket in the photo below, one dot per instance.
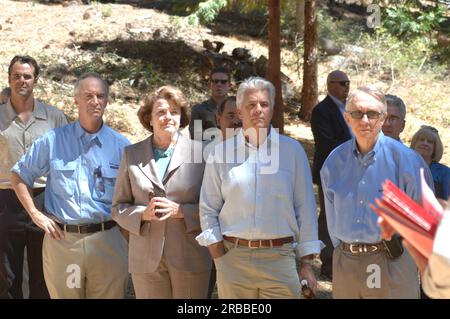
(63, 178)
(104, 185)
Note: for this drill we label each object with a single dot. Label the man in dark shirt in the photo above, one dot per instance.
(203, 115)
(330, 130)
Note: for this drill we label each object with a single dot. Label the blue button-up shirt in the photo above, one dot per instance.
(259, 193)
(351, 181)
(81, 171)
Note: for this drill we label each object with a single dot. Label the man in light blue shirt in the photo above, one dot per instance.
(257, 206)
(352, 178)
(84, 254)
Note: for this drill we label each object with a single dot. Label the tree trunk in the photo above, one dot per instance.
(300, 17)
(310, 58)
(273, 74)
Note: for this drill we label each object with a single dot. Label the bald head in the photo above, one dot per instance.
(338, 85)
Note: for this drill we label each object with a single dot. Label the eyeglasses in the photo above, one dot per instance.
(430, 128)
(216, 81)
(372, 115)
(342, 83)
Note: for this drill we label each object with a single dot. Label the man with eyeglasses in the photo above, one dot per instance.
(395, 120)
(329, 130)
(23, 119)
(364, 266)
(203, 115)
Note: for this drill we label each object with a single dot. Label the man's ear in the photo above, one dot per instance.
(36, 79)
(239, 113)
(383, 117)
(347, 117)
(403, 126)
(218, 120)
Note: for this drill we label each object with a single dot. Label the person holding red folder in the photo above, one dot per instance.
(435, 270)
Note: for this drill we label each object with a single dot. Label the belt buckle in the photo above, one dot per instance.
(359, 248)
(250, 244)
(79, 229)
(103, 226)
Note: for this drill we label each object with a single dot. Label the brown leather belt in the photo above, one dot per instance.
(361, 249)
(87, 228)
(37, 191)
(259, 243)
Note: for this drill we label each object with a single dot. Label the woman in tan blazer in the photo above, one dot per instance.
(156, 200)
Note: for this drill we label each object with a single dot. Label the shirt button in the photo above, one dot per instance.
(357, 240)
(358, 221)
(361, 202)
(363, 182)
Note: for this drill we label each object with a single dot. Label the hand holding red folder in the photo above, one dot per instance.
(415, 223)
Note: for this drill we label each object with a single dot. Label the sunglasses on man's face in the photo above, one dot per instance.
(371, 115)
(341, 83)
(217, 81)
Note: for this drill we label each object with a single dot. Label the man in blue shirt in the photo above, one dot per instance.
(352, 178)
(84, 254)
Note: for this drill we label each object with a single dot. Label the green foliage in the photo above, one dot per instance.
(206, 12)
(405, 22)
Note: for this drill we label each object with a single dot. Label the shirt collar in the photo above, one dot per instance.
(378, 144)
(86, 137)
(38, 111)
(273, 136)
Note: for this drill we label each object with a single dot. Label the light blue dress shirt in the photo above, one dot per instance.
(351, 181)
(81, 170)
(259, 193)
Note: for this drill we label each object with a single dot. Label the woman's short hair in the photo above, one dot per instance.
(432, 134)
(169, 93)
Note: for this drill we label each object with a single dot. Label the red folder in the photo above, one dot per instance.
(416, 223)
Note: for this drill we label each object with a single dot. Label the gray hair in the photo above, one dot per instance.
(91, 75)
(255, 83)
(394, 100)
(372, 91)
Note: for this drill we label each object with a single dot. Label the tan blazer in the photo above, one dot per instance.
(175, 237)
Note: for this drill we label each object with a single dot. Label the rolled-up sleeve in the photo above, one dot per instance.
(34, 163)
(211, 202)
(305, 209)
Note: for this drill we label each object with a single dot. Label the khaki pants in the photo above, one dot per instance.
(168, 282)
(260, 273)
(86, 265)
(374, 276)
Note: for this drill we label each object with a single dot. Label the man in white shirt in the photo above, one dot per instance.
(257, 207)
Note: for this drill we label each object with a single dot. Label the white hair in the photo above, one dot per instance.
(255, 83)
